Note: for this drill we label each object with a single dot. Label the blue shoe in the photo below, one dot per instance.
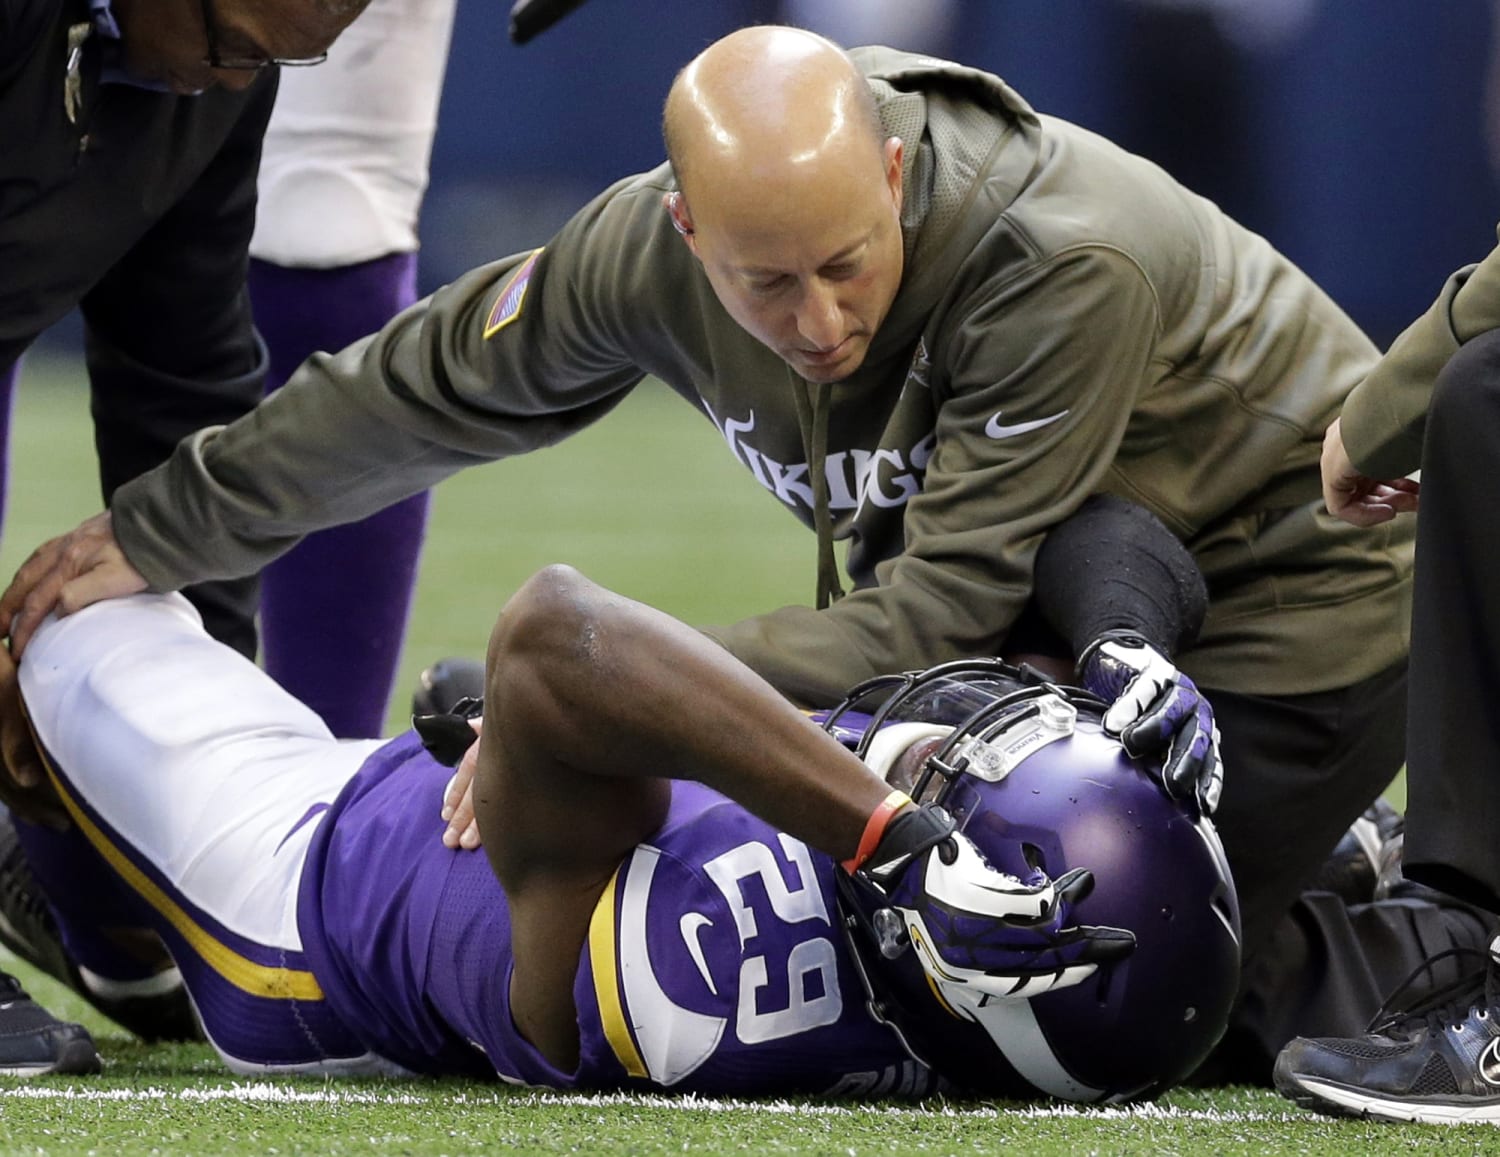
(1436, 1060)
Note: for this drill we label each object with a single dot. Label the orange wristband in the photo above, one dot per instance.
(875, 827)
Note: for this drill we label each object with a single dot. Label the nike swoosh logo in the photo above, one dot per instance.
(1489, 1063)
(995, 429)
(691, 926)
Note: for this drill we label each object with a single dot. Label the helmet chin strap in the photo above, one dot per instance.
(1012, 1025)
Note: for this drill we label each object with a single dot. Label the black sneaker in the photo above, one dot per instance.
(34, 1043)
(442, 685)
(153, 1004)
(1366, 862)
(1437, 1060)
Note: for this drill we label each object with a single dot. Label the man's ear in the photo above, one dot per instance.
(682, 219)
(895, 151)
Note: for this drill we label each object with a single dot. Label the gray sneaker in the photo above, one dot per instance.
(34, 1043)
(1432, 1058)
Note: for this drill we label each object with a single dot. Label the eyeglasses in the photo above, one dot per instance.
(245, 63)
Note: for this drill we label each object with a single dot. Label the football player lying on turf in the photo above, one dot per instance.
(689, 884)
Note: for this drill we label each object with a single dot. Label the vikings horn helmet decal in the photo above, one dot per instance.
(1042, 794)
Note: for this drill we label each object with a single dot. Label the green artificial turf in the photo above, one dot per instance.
(649, 502)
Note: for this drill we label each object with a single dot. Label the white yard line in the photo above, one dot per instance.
(268, 1092)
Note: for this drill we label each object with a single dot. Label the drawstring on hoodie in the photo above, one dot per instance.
(812, 416)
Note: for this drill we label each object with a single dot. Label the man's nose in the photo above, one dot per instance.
(820, 321)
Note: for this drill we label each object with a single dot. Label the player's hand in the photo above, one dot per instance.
(983, 933)
(1157, 713)
(452, 738)
(1356, 498)
(458, 799)
(65, 575)
(24, 786)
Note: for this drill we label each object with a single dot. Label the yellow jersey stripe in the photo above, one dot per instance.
(602, 930)
(246, 975)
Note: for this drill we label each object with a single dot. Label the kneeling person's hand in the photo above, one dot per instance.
(1157, 712)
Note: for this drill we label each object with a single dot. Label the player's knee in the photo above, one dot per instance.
(549, 624)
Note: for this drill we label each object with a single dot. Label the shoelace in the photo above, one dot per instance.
(1446, 1004)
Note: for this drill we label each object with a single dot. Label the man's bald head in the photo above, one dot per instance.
(790, 196)
(765, 98)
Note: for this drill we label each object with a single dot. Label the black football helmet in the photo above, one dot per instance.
(1026, 771)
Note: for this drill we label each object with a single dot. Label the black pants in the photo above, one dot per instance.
(1453, 763)
(1297, 771)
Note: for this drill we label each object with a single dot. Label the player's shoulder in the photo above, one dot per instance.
(713, 909)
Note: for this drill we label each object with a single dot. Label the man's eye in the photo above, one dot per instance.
(771, 285)
(841, 272)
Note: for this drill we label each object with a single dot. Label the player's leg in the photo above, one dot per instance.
(1442, 1067)
(1453, 760)
(169, 342)
(342, 178)
(334, 609)
(199, 783)
(102, 947)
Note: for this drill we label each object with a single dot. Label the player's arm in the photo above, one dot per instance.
(1377, 439)
(592, 703)
(1353, 495)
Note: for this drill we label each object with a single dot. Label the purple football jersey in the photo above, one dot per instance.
(716, 961)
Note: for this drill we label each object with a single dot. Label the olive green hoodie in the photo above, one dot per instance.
(1070, 320)
(1384, 417)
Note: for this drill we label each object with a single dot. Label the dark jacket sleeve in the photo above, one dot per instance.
(171, 347)
(1113, 566)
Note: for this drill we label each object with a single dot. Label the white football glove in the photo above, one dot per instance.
(1157, 712)
(979, 932)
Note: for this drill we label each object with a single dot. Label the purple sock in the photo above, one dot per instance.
(86, 898)
(334, 610)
